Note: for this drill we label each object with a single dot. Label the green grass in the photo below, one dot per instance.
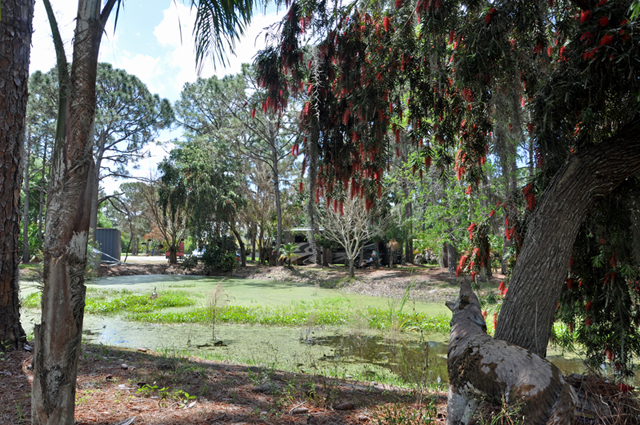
(109, 302)
(322, 313)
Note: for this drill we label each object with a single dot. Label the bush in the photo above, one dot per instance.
(220, 253)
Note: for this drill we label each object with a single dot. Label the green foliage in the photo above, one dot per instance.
(220, 253)
(110, 302)
(401, 414)
(288, 252)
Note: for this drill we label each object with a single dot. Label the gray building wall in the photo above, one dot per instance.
(109, 243)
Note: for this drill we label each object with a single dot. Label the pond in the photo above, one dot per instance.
(351, 350)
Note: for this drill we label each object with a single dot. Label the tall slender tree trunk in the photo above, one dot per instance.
(528, 312)
(312, 156)
(94, 197)
(42, 191)
(276, 187)
(25, 207)
(58, 336)
(15, 42)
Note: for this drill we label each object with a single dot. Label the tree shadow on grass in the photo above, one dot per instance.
(166, 388)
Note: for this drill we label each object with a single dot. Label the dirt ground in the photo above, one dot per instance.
(116, 384)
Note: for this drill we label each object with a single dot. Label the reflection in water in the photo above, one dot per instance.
(415, 362)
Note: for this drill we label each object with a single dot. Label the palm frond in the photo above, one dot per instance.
(219, 24)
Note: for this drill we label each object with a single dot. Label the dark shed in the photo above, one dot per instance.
(109, 243)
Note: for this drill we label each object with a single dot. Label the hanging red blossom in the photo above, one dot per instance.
(606, 39)
(386, 23)
(300, 187)
(489, 17)
(584, 16)
(588, 306)
(604, 21)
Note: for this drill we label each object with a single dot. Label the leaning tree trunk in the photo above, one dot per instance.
(528, 312)
(243, 252)
(58, 336)
(276, 188)
(15, 41)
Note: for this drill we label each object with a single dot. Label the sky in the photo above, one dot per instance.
(153, 41)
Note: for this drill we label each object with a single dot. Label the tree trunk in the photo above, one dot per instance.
(25, 208)
(312, 156)
(42, 191)
(529, 308)
(452, 258)
(243, 255)
(443, 261)
(15, 42)
(94, 197)
(326, 257)
(276, 187)
(58, 336)
(352, 268)
(391, 258)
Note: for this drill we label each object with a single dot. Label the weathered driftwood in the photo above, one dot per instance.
(483, 368)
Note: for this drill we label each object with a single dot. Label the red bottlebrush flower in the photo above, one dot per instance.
(501, 286)
(586, 36)
(623, 22)
(492, 213)
(625, 388)
(472, 264)
(550, 2)
(294, 149)
(510, 127)
(427, 161)
(458, 271)
(602, 241)
(414, 168)
(473, 275)
(588, 306)
(300, 186)
(610, 355)
(606, 39)
(471, 227)
(468, 190)
(253, 113)
(530, 127)
(571, 327)
(604, 21)
(487, 19)
(495, 321)
(587, 321)
(538, 48)
(420, 173)
(345, 116)
(354, 137)
(569, 283)
(398, 4)
(385, 23)
(549, 50)
(531, 201)
(618, 367)
(584, 16)
(601, 3)
(484, 314)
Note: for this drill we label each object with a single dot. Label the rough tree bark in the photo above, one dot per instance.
(58, 336)
(529, 308)
(25, 208)
(15, 41)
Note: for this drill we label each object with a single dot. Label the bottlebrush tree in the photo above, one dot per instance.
(434, 69)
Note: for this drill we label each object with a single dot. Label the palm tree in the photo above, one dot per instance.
(57, 337)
